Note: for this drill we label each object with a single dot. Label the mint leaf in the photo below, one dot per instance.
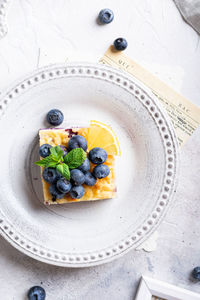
(43, 162)
(57, 153)
(52, 164)
(53, 151)
(60, 156)
(60, 168)
(64, 170)
(75, 158)
(53, 159)
(59, 150)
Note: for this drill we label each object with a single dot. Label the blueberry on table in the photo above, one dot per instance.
(98, 155)
(55, 117)
(85, 166)
(196, 273)
(101, 171)
(45, 150)
(77, 141)
(50, 175)
(77, 192)
(120, 44)
(36, 292)
(90, 179)
(55, 193)
(106, 16)
(63, 185)
(77, 177)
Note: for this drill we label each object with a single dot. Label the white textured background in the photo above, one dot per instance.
(48, 31)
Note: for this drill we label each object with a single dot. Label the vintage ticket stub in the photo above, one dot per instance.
(184, 115)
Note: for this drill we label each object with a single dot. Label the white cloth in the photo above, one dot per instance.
(190, 10)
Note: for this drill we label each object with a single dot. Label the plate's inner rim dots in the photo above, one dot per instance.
(4, 5)
(169, 182)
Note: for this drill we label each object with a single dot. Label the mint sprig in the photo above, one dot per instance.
(75, 158)
(57, 153)
(44, 162)
(72, 160)
(64, 170)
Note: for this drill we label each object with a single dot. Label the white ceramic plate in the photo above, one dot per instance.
(90, 233)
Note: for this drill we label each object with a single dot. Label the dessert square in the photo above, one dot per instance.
(103, 189)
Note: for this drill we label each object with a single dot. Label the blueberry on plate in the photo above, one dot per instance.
(55, 193)
(55, 117)
(85, 165)
(64, 148)
(77, 192)
(63, 185)
(101, 171)
(106, 16)
(45, 150)
(97, 156)
(77, 141)
(90, 179)
(77, 177)
(196, 273)
(36, 292)
(51, 175)
(120, 44)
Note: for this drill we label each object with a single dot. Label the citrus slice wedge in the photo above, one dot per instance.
(102, 135)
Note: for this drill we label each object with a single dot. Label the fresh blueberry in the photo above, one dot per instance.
(55, 193)
(51, 175)
(63, 185)
(45, 150)
(98, 156)
(77, 177)
(64, 148)
(90, 179)
(77, 192)
(106, 16)
(36, 292)
(196, 273)
(55, 117)
(120, 44)
(101, 171)
(85, 166)
(77, 141)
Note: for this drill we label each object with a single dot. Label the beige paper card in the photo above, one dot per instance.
(184, 115)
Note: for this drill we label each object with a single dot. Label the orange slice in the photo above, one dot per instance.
(102, 135)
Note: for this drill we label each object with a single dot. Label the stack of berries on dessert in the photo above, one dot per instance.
(77, 164)
(69, 169)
